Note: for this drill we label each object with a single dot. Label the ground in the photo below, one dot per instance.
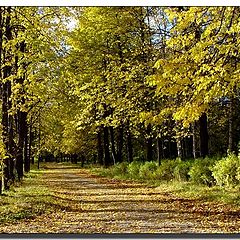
(72, 200)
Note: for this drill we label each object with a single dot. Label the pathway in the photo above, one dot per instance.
(91, 204)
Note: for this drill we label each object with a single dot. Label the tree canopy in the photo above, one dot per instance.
(113, 84)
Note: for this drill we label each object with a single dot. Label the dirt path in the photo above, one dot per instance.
(96, 205)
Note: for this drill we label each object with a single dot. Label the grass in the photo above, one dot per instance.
(201, 192)
(180, 188)
(32, 197)
(25, 200)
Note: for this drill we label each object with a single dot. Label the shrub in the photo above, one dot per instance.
(181, 170)
(120, 168)
(147, 170)
(201, 173)
(133, 169)
(226, 171)
(166, 170)
(238, 174)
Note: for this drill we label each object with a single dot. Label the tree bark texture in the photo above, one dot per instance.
(107, 159)
(159, 150)
(100, 147)
(230, 126)
(129, 144)
(149, 144)
(203, 135)
(193, 140)
(26, 152)
(113, 149)
(120, 144)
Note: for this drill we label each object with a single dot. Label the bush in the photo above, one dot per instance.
(181, 170)
(133, 169)
(201, 173)
(147, 170)
(120, 168)
(166, 170)
(226, 171)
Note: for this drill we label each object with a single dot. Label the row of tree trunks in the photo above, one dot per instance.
(110, 149)
(14, 125)
(6, 93)
(186, 147)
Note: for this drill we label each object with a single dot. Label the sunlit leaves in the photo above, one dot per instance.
(202, 62)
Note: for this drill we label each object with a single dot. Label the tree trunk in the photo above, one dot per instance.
(129, 145)
(22, 118)
(83, 160)
(1, 38)
(6, 93)
(193, 140)
(12, 149)
(179, 148)
(112, 144)
(21, 123)
(149, 144)
(230, 128)
(159, 150)
(100, 147)
(120, 144)
(5, 130)
(107, 159)
(203, 135)
(31, 158)
(26, 155)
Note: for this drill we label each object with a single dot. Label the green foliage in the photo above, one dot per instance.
(226, 171)
(238, 174)
(19, 203)
(188, 75)
(140, 156)
(166, 170)
(200, 172)
(133, 169)
(120, 168)
(181, 170)
(147, 170)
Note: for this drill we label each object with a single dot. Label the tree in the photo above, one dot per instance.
(202, 65)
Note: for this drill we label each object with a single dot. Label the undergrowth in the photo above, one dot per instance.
(209, 178)
(26, 199)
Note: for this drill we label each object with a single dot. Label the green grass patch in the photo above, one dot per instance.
(26, 199)
(198, 179)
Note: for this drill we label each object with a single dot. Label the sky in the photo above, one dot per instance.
(120, 3)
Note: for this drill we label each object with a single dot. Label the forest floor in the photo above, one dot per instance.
(72, 200)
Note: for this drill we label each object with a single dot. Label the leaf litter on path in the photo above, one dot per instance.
(85, 203)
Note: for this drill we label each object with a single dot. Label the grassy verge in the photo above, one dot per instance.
(25, 200)
(187, 179)
(201, 192)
